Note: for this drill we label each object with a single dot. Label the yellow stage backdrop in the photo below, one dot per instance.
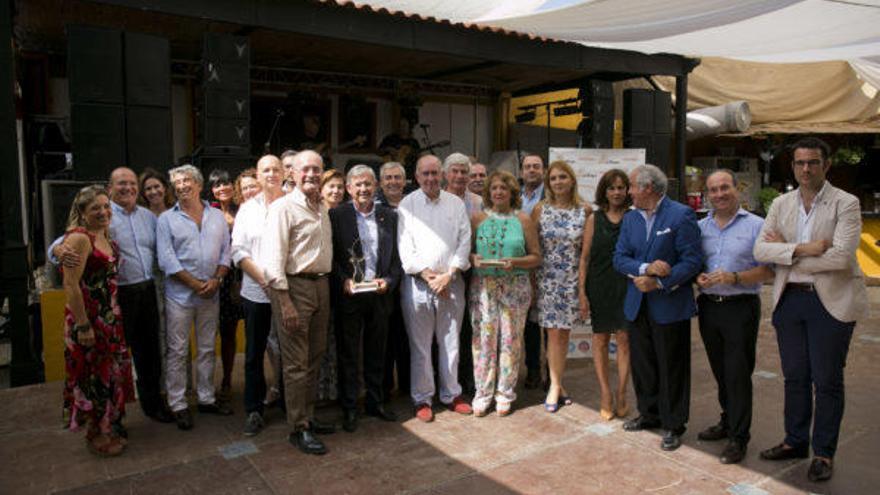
(52, 315)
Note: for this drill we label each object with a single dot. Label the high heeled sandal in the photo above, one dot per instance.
(105, 445)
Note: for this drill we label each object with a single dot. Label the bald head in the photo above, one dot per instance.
(124, 188)
(270, 173)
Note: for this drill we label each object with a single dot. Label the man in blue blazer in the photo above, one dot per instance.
(659, 250)
(364, 249)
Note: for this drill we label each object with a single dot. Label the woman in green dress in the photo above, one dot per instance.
(602, 289)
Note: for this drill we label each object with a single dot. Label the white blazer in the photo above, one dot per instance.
(839, 281)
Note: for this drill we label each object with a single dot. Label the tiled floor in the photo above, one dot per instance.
(571, 452)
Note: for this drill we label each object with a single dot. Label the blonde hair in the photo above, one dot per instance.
(83, 199)
(576, 200)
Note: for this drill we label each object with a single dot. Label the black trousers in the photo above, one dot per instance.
(140, 319)
(532, 338)
(812, 346)
(362, 318)
(730, 333)
(257, 324)
(661, 369)
(396, 349)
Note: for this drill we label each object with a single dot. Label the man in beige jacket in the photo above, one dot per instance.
(811, 235)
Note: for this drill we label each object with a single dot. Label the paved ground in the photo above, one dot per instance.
(571, 452)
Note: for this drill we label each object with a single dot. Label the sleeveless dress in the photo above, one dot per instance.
(606, 288)
(561, 233)
(499, 303)
(98, 379)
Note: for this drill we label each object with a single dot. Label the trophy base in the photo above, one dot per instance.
(361, 287)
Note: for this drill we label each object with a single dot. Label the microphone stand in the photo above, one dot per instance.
(267, 146)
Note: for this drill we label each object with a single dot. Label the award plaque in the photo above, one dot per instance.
(358, 283)
(492, 263)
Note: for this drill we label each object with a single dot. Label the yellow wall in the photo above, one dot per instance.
(52, 315)
(869, 253)
(567, 122)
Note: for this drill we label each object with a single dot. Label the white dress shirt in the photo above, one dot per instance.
(433, 234)
(805, 232)
(250, 223)
(368, 233)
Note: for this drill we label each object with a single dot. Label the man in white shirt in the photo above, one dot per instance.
(434, 240)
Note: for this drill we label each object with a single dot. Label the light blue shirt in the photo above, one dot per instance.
(135, 235)
(368, 231)
(649, 224)
(182, 245)
(529, 201)
(730, 249)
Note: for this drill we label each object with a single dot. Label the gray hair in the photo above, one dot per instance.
(189, 170)
(389, 166)
(456, 159)
(650, 175)
(359, 170)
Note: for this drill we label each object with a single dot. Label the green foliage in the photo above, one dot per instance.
(848, 155)
(766, 196)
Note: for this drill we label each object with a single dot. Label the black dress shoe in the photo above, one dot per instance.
(322, 428)
(183, 419)
(671, 439)
(713, 433)
(162, 415)
(782, 453)
(215, 408)
(308, 443)
(350, 422)
(641, 423)
(382, 413)
(533, 379)
(733, 453)
(820, 470)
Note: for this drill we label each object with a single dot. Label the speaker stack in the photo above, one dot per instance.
(120, 93)
(647, 123)
(225, 135)
(596, 129)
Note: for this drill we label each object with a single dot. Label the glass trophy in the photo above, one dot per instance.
(358, 283)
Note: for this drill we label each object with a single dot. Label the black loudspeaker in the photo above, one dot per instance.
(147, 70)
(662, 112)
(658, 147)
(597, 107)
(225, 123)
(98, 133)
(227, 104)
(148, 137)
(638, 111)
(94, 65)
(226, 77)
(226, 133)
(226, 49)
(232, 164)
(662, 151)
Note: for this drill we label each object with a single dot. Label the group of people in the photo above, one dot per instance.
(451, 288)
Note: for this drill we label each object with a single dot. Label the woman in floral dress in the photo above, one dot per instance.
(97, 364)
(505, 249)
(560, 218)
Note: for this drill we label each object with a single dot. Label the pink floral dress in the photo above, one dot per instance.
(98, 379)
